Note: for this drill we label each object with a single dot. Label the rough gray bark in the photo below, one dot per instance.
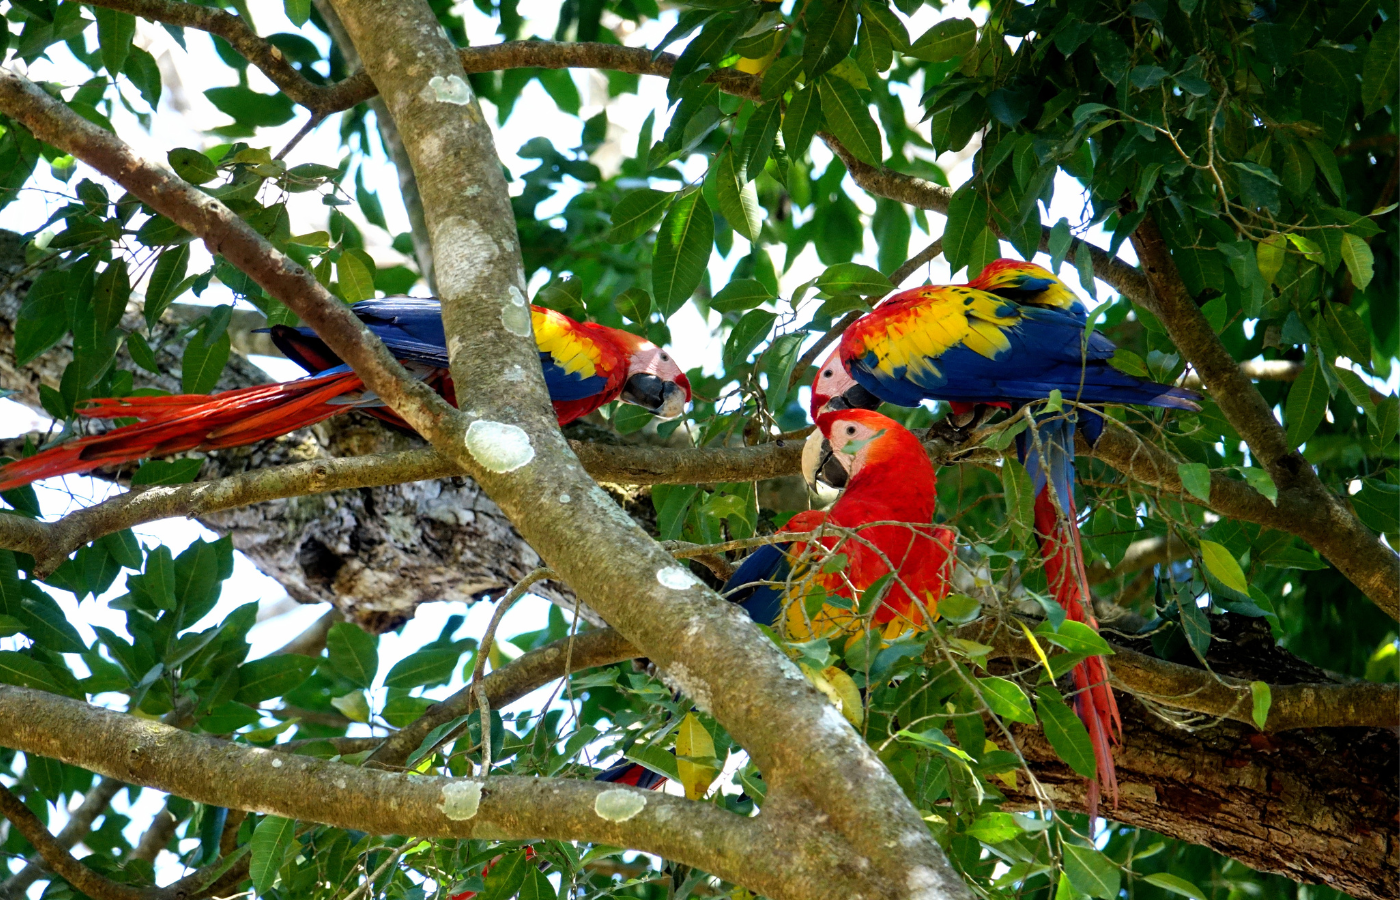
(375, 553)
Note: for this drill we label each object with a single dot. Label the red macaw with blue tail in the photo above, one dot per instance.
(889, 480)
(1011, 337)
(585, 366)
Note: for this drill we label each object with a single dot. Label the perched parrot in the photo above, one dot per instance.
(585, 366)
(887, 479)
(1010, 337)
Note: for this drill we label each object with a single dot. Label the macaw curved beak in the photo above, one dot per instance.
(663, 399)
(820, 465)
(855, 397)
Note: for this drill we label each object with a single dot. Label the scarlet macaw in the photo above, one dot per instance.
(585, 366)
(1010, 337)
(888, 479)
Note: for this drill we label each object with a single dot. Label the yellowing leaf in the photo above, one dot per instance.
(1007, 777)
(692, 740)
(847, 695)
(1223, 567)
(1035, 645)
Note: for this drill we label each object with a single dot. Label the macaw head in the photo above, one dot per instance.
(1026, 283)
(834, 389)
(849, 440)
(654, 381)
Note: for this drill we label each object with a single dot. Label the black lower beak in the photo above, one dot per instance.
(855, 397)
(830, 472)
(662, 398)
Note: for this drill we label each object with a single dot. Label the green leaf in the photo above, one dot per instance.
(143, 71)
(1263, 698)
(1019, 491)
(757, 143)
(1378, 505)
(848, 117)
(994, 827)
(744, 293)
(1195, 478)
(634, 303)
(272, 676)
(191, 165)
(1223, 566)
(1091, 872)
(25, 671)
(738, 199)
(854, 278)
(1270, 255)
(1360, 262)
(1194, 623)
(945, 40)
(959, 608)
(141, 353)
(110, 293)
(353, 653)
(47, 626)
(780, 76)
(201, 364)
(802, 120)
(1060, 240)
(1262, 482)
(426, 667)
(778, 362)
(1006, 699)
(536, 886)
(115, 31)
(506, 876)
(176, 471)
(985, 249)
(42, 321)
(831, 33)
(355, 278)
(682, 251)
(267, 850)
(1068, 736)
(1084, 262)
(967, 217)
(1378, 69)
(1307, 403)
(1179, 886)
(1076, 637)
(1349, 332)
(750, 331)
(251, 109)
(298, 11)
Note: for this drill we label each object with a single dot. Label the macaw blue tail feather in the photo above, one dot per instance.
(747, 587)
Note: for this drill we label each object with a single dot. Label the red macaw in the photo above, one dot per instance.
(888, 479)
(1010, 337)
(585, 366)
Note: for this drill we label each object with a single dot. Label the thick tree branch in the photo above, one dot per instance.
(236, 776)
(78, 826)
(1337, 532)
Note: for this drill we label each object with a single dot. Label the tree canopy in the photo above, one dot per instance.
(1235, 168)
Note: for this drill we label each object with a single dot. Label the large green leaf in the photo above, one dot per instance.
(1378, 69)
(354, 654)
(1006, 699)
(967, 217)
(738, 199)
(1091, 872)
(115, 31)
(1307, 402)
(750, 331)
(251, 109)
(1068, 736)
(42, 321)
(426, 667)
(268, 850)
(272, 676)
(945, 40)
(831, 33)
(1019, 490)
(802, 120)
(848, 117)
(636, 213)
(682, 251)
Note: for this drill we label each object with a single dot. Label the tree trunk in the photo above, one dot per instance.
(375, 553)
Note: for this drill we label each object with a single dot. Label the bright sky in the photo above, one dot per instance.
(183, 119)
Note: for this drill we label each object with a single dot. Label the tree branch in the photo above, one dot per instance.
(236, 776)
(1338, 533)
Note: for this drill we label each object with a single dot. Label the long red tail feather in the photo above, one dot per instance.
(183, 422)
(1093, 700)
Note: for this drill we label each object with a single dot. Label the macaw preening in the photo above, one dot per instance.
(1010, 337)
(585, 366)
(888, 479)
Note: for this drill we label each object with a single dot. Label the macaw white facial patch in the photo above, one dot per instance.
(676, 578)
(460, 799)
(451, 89)
(499, 447)
(619, 805)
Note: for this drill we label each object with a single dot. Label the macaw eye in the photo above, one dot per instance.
(665, 358)
(850, 429)
(826, 374)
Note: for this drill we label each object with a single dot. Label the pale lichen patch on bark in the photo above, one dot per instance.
(499, 446)
(464, 263)
(460, 799)
(619, 804)
(452, 89)
(676, 578)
